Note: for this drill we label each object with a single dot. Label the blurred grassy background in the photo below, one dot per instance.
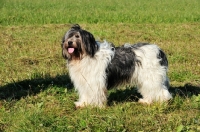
(23, 12)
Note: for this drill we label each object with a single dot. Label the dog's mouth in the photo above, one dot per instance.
(70, 50)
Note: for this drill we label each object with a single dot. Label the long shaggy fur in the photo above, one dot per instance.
(94, 67)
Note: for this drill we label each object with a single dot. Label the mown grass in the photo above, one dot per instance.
(35, 90)
(23, 12)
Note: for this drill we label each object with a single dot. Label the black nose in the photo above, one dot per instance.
(70, 42)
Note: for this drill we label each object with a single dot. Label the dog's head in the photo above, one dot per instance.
(77, 43)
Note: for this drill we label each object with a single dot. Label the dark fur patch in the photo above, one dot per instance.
(163, 58)
(122, 66)
(89, 41)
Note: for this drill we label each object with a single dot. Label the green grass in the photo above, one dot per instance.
(35, 90)
(23, 12)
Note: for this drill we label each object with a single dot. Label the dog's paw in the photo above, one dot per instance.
(144, 101)
(79, 104)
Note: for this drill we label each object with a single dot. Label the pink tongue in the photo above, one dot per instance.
(70, 50)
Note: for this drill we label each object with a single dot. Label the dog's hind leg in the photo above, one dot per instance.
(154, 89)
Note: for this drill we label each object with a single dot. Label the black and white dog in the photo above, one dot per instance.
(94, 67)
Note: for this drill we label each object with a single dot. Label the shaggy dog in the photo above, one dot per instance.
(94, 67)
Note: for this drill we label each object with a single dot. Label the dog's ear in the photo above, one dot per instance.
(90, 44)
(63, 40)
(62, 43)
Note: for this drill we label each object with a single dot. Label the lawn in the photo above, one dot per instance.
(36, 93)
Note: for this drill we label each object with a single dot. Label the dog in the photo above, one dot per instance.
(96, 66)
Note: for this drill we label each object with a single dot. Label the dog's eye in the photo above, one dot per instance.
(77, 36)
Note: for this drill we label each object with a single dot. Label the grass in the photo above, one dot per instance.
(35, 90)
(22, 12)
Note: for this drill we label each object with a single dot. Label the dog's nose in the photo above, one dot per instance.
(70, 43)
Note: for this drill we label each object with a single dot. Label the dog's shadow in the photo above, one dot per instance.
(131, 94)
(123, 95)
(28, 87)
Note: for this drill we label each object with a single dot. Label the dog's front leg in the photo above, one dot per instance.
(93, 96)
